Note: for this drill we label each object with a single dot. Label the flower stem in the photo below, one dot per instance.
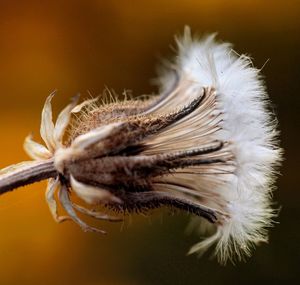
(26, 173)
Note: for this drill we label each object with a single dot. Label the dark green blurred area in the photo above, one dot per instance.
(83, 46)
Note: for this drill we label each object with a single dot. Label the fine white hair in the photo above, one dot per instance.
(250, 128)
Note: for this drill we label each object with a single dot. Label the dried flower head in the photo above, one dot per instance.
(206, 145)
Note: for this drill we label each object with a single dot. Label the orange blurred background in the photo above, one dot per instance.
(83, 46)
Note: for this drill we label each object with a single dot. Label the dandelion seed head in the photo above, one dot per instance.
(208, 144)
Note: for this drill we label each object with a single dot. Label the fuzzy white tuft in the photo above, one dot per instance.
(250, 130)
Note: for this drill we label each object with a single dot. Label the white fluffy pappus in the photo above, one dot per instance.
(249, 127)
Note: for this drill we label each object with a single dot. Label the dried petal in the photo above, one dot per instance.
(86, 140)
(63, 121)
(53, 185)
(47, 126)
(67, 205)
(35, 150)
(90, 194)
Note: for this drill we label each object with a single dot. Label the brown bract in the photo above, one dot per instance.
(130, 156)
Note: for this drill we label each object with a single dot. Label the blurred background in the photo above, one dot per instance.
(81, 47)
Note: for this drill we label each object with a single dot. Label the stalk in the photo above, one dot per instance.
(26, 174)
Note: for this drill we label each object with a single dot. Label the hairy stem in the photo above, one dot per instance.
(26, 174)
